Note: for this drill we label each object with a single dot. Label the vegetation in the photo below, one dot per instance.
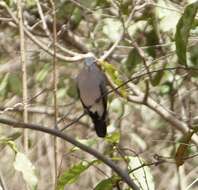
(148, 50)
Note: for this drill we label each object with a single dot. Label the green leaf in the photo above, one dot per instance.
(183, 29)
(65, 10)
(72, 174)
(7, 2)
(113, 73)
(194, 56)
(166, 88)
(72, 89)
(3, 85)
(195, 23)
(24, 165)
(125, 7)
(113, 138)
(4, 141)
(42, 74)
(105, 184)
(14, 136)
(9, 140)
(103, 3)
(157, 78)
(61, 93)
(14, 84)
(132, 61)
(76, 18)
(142, 176)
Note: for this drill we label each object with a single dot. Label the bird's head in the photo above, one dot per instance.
(89, 61)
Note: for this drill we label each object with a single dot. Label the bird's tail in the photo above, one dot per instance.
(100, 127)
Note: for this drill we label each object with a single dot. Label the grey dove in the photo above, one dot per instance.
(91, 85)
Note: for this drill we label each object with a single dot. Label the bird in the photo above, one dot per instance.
(92, 91)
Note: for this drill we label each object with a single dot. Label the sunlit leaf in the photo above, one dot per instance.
(61, 93)
(42, 74)
(183, 29)
(3, 84)
(113, 72)
(4, 141)
(24, 165)
(71, 176)
(113, 138)
(166, 88)
(9, 140)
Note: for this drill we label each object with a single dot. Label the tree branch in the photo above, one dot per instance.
(123, 174)
(23, 70)
(77, 57)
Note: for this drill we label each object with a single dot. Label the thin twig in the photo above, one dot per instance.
(77, 57)
(45, 28)
(18, 105)
(74, 121)
(24, 71)
(2, 182)
(55, 81)
(126, 25)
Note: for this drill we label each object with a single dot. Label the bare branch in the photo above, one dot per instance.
(55, 82)
(122, 173)
(24, 71)
(77, 57)
(126, 25)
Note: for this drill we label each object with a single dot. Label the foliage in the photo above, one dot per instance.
(183, 28)
(152, 118)
(73, 174)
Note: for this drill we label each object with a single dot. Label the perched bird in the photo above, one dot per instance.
(91, 84)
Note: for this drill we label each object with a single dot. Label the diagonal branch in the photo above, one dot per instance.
(122, 173)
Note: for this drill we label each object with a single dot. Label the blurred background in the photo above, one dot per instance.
(137, 134)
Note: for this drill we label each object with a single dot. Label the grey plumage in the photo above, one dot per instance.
(91, 84)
